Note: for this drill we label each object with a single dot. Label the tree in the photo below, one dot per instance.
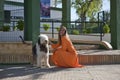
(87, 8)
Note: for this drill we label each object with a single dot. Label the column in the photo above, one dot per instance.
(1, 13)
(66, 12)
(115, 23)
(31, 20)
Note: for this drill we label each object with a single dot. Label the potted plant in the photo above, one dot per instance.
(76, 32)
(6, 28)
(20, 25)
(106, 28)
(57, 28)
(46, 26)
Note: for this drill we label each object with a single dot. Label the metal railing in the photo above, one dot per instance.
(75, 28)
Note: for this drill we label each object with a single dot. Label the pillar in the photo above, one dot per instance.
(31, 20)
(66, 12)
(115, 23)
(1, 13)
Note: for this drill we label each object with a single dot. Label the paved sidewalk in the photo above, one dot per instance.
(89, 72)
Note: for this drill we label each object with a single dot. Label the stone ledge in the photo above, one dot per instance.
(21, 55)
(102, 43)
(83, 59)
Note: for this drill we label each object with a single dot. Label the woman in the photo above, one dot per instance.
(64, 53)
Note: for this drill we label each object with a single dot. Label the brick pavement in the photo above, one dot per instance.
(89, 72)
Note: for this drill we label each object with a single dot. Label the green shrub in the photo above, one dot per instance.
(46, 26)
(1, 29)
(106, 28)
(89, 30)
(14, 28)
(76, 32)
(6, 28)
(57, 28)
(20, 25)
(84, 31)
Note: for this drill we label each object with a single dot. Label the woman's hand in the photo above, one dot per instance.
(50, 43)
(54, 50)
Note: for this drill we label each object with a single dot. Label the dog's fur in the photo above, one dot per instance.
(41, 52)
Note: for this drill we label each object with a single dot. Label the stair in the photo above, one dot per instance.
(16, 53)
(97, 57)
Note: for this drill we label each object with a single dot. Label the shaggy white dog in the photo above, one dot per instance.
(41, 52)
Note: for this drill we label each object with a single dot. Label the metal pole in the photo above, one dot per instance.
(52, 29)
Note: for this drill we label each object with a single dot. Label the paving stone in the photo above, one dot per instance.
(89, 72)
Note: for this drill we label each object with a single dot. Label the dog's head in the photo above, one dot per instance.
(43, 39)
(43, 42)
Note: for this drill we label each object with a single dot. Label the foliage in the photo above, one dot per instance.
(6, 28)
(20, 25)
(76, 32)
(84, 31)
(89, 30)
(57, 28)
(14, 28)
(46, 26)
(95, 29)
(0, 28)
(89, 27)
(106, 28)
(87, 8)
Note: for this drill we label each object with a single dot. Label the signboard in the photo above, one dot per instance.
(45, 8)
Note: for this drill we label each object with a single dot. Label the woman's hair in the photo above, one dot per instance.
(65, 34)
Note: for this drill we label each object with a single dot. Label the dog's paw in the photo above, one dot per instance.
(34, 65)
(45, 66)
(48, 66)
(39, 66)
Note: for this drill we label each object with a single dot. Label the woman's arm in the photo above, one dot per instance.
(54, 45)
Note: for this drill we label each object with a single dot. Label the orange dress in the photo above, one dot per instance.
(66, 55)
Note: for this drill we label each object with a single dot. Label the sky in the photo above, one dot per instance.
(106, 5)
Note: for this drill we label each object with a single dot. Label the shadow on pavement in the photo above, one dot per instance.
(8, 71)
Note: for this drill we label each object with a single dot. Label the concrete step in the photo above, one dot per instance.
(104, 44)
(85, 58)
(98, 57)
(22, 53)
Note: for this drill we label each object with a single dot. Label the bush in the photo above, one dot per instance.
(84, 31)
(6, 28)
(106, 28)
(1, 29)
(76, 32)
(89, 30)
(20, 25)
(46, 26)
(14, 28)
(57, 28)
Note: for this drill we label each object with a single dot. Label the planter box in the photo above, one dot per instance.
(15, 52)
